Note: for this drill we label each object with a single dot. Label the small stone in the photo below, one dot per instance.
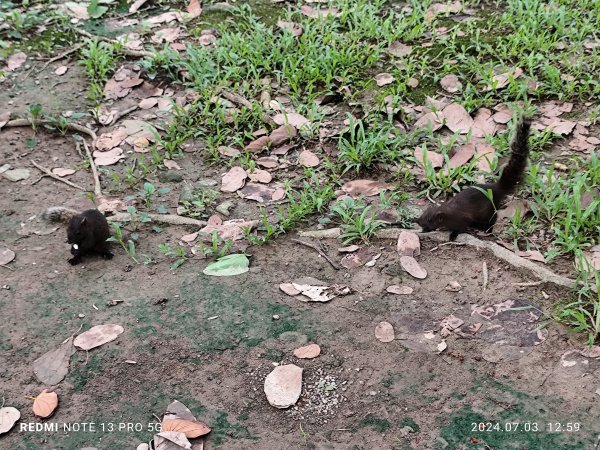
(81, 316)
(225, 207)
(170, 177)
(276, 317)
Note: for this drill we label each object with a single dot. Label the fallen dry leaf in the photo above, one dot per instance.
(384, 79)
(15, 61)
(483, 123)
(108, 158)
(453, 286)
(399, 49)
(4, 118)
(313, 13)
(170, 164)
(500, 81)
(171, 440)
(148, 103)
(8, 417)
(230, 229)
(308, 159)
(408, 244)
(293, 27)
(45, 404)
(137, 4)
(166, 35)
(411, 265)
(234, 179)
(261, 193)
(384, 331)
(258, 145)
(451, 83)
(399, 290)
(194, 10)
(309, 351)
(62, 172)
(52, 367)
(282, 135)
(433, 120)
(441, 8)
(167, 17)
(296, 120)
(436, 159)
(189, 237)
(283, 386)
(270, 162)
(61, 70)
(191, 428)
(457, 118)
(365, 188)
(289, 289)
(534, 255)
(260, 176)
(110, 140)
(349, 249)
(97, 335)
(462, 155)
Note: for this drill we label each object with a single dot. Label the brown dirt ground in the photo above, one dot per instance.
(217, 367)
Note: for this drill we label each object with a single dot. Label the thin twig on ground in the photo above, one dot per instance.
(542, 273)
(124, 50)
(56, 177)
(97, 187)
(319, 251)
(61, 56)
(485, 275)
(123, 113)
(70, 126)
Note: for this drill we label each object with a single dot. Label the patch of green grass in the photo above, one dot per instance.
(378, 425)
(222, 430)
(99, 60)
(80, 374)
(558, 204)
(409, 422)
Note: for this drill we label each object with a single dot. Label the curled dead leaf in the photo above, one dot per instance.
(384, 79)
(308, 159)
(411, 265)
(8, 417)
(308, 351)
(399, 290)
(234, 179)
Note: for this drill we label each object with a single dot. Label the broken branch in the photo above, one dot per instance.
(319, 251)
(56, 177)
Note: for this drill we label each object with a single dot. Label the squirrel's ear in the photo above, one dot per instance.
(440, 217)
(83, 221)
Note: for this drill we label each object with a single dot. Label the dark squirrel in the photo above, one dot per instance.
(87, 232)
(471, 208)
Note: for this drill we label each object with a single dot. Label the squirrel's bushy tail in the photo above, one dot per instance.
(512, 173)
(58, 214)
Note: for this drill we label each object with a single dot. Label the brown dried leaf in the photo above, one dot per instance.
(97, 336)
(441, 8)
(436, 159)
(258, 145)
(234, 179)
(534, 255)
(191, 428)
(4, 118)
(365, 188)
(165, 18)
(45, 404)
(399, 49)
(148, 103)
(258, 193)
(384, 79)
(294, 119)
(270, 162)
(313, 13)
(500, 81)
(230, 229)
(457, 118)
(308, 159)
(433, 120)
(15, 61)
(451, 83)
(62, 172)
(483, 123)
(349, 249)
(194, 9)
(309, 351)
(137, 4)
(411, 265)
(485, 154)
(171, 440)
(289, 289)
(282, 134)
(108, 158)
(167, 35)
(399, 290)
(462, 155)
(293, 27)
(384, 331)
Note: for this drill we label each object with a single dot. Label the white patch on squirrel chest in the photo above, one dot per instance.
(76, 247)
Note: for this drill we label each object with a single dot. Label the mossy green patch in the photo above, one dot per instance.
(222, 430)
(409, 422)
(379, 425)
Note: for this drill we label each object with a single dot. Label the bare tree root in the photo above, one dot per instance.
(170, 219)
(70, 126)
(540, 272)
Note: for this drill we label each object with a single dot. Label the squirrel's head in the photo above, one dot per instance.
(76, 231)
(431, 219)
